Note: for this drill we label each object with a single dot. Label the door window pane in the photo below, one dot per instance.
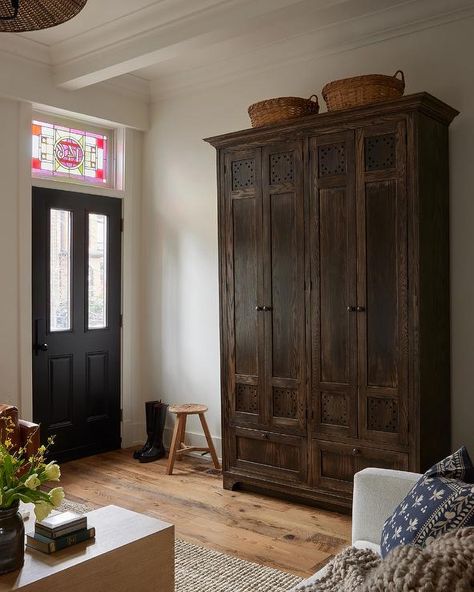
(97, 290)
(60, 270)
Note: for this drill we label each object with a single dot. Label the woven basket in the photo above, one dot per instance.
(281, 109)
(363, 90)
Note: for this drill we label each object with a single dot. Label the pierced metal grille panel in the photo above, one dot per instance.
(243, 174)
(334, 409)
(332, 160)
(382, 414)
(246, 398)
(285, 403)
(380, 152)
(282, 168)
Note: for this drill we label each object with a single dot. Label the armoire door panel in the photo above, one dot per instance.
(382, 276)
(244, 280)
(333, 284)
(284, 286)
(382, 283)
(336, 259)
(245, 258)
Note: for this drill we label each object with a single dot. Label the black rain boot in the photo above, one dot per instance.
(150, 426)
(157, 449)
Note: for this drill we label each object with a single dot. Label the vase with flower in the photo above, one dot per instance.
(23, 479)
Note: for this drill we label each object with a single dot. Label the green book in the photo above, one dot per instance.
(47, 545)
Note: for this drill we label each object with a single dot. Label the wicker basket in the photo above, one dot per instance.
(363, 90)
(281, 109)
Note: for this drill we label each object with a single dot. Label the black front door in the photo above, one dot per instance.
(76, 320)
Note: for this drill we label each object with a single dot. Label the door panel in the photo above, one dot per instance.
(76, 320)
(244, 279)
(284, 285)
(280, 456)
(382, 283)
(334, 465)
(244, 216)
(333, 283)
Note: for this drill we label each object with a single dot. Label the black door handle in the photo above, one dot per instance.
(39, 335)
(267, 308)
(259, 308)
(360, 308)
(41, 347)
(351, 308)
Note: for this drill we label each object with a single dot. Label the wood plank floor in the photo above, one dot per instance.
(288, 536)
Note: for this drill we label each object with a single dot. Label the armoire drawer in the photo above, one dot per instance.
(277, 456)
(334, 465)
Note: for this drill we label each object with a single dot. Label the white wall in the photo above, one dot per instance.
(179, 236)
(9, 249)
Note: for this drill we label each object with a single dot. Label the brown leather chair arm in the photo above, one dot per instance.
(30, 435)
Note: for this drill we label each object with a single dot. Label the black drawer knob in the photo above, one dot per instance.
(355, 451)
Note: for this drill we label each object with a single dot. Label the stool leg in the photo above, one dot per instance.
(210, 443)
(181, 437)
(174, 444)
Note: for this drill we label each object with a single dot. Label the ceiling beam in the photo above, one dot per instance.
(229, 18)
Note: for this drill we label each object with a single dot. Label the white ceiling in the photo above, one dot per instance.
(167, 45)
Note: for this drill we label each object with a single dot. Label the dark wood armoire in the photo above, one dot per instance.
(334, 297)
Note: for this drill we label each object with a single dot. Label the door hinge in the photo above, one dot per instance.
(121, 224)
(121, 415)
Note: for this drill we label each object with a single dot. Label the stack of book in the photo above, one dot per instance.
(58, 531)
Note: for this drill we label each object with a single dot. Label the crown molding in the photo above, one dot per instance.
(13, 44)
(413, 16)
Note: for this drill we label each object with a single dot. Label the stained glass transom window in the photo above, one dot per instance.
(60, 151)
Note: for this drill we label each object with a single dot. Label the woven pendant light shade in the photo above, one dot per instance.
(37, 14)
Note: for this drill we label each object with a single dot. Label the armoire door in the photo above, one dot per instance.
(333, 247)
(284, 286)
(382, 283)
(244, 325)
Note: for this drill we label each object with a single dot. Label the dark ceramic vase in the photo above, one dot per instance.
(12, 539)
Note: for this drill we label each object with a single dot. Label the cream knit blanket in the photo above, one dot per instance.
(446, 565)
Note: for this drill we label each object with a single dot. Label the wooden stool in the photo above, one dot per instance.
(178, 447)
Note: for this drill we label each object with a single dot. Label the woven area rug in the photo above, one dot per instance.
(203, 570)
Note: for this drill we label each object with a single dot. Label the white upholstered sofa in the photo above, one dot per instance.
(377, 492)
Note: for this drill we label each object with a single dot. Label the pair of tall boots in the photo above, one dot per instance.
(155, 427)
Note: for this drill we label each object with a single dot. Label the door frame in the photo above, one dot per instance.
(129, 161)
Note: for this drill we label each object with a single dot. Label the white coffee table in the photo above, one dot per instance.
(132, 552)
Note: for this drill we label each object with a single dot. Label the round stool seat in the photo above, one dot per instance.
(188, 408)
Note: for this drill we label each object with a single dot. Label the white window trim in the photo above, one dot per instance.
(114, 180)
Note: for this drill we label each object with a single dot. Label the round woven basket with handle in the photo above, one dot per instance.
(282, 109)
(363, 90)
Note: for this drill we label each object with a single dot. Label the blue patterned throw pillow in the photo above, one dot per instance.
(442, 500)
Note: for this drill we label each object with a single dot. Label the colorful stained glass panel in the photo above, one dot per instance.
(59, 151)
